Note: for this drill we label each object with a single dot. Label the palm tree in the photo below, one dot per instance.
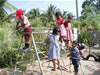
(51, 12)
(91, 4)
(65, 14)
(4, 5)
(34, 13)
(49, 15)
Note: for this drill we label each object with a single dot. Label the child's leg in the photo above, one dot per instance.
(54, 64)
(58, 63)
(67, 43)
(76, 65)
(27, 40)
(27, 36)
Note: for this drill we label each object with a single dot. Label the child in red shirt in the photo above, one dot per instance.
(60, 25)
(67, 25)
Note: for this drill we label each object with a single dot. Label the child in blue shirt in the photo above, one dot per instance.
(75, 56)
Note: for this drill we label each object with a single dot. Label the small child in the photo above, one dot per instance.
(61, 26)
(69, 35)
(81, 47)
(75, 56)
(54, 49)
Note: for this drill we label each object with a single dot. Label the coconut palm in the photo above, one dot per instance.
(91, 4)
(49, 15)
(65, 14)
(34, 13)
(4, 6)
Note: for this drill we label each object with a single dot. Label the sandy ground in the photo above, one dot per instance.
(89, 67)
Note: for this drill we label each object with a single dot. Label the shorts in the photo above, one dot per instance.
(28, 32)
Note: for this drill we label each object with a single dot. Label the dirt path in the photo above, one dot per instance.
(89, 67)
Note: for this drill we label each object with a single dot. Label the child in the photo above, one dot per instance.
(81, 47)
(75, 56)
(22, 19)
(67, 25)
(60, 25)
(54, 49)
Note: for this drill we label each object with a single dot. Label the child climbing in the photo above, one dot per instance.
(25, 24)
(54, 49)
(75, 56)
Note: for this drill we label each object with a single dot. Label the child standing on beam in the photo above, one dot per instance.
(69, 36)
(25, 24)
(60, 25)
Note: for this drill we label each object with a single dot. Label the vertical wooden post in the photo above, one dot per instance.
(77, 9)
(33, 41)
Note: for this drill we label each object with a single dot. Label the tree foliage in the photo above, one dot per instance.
(90, 15)
(4, 6)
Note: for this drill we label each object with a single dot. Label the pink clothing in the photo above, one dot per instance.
(26, 26)
(24, 22)
(60, 25)
(68, 30)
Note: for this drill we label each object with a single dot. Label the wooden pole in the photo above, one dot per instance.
(33, 41)
(77, 9)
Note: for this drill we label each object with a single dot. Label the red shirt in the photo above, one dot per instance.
(66, 23)
(60, 20)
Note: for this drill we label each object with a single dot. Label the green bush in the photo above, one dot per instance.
(9, 43)
(37, 23)
(83, 38)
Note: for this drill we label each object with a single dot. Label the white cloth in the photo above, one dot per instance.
(75, 34)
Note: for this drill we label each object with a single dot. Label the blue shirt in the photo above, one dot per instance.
(75, 53)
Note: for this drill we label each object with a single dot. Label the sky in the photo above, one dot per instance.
(63, 5)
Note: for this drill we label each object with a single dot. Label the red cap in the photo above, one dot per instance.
(18, 13)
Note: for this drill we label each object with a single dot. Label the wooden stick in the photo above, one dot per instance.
(33, 41)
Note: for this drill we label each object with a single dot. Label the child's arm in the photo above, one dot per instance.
(47, 40)
(69, 54)
(17, 26)
(70, 51)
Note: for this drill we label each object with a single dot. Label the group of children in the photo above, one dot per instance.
(61, 32)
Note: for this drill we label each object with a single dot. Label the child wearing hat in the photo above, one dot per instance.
(25, 24)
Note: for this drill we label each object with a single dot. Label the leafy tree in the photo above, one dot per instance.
(90, 15)
(4, 5)
(65, 14)
(34, 13)
(49, 15)
(91, 4)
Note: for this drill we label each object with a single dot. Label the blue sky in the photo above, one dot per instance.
(67, 5)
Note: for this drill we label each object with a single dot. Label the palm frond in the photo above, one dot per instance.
(9, 6)
(3, 12)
